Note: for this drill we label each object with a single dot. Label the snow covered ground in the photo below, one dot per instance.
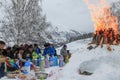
(103, 64)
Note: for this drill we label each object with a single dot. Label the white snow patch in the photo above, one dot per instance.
(104, 64)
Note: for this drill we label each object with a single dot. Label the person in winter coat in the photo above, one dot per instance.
(28, 56)
(63, 51)
(9, 52)
(2, 64)
(37, 49)
(69, 54)
(15, 53)
(11, 65)
(52, 46)
(48, 50)
(20, 57)
(35, 56)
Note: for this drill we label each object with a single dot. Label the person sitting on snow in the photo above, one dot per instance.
(35, 56)
(48, 50)
(28, 56)
(2, 54)
(37, 49)
(11, 64)
(63, 52)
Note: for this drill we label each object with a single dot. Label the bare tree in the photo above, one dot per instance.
(115, 8)
(24, 22)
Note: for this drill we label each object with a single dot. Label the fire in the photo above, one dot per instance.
(105, 24)
(102, 16)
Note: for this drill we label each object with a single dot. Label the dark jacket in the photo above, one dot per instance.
(27, 54)
(37, 50)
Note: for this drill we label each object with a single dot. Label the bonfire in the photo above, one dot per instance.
(105, 24)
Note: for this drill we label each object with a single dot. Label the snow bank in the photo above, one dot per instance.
(104, 64)
(95, 64)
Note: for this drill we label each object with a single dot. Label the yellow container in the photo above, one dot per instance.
(2, 59)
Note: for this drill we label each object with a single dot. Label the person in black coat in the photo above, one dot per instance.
(9, 52)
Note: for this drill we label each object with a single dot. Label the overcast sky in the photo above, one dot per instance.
(69, 14)
(66, 14)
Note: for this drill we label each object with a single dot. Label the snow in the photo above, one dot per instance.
(102, 63)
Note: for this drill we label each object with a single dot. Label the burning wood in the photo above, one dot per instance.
(105, 24)
(106, 37)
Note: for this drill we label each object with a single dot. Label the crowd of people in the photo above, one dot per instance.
(16, 56)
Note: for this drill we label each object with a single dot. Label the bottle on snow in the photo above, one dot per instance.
(61, 62)
(26, 67)
(51, 61)
(47, 61)
(42, 64)
(55, 61)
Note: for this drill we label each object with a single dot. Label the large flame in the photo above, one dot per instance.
(102, 16)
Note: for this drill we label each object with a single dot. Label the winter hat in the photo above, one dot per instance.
(65, 45)
(46, 44)
(8, 48)
(30, 46)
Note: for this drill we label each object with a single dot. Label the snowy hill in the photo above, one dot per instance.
(103, 64)
(60, 37)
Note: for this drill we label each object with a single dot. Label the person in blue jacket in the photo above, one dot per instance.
(37, 49)
(52, 46)
(48, 50)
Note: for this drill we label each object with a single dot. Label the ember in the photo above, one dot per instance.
(105, 23)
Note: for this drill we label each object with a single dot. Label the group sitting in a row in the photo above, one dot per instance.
(16, 56)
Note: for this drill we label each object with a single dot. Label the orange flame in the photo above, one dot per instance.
(102, 16)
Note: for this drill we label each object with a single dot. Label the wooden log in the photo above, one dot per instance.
(90, 47)
(94, 38)
(101, 42)
(115, 42)
(108, 47)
